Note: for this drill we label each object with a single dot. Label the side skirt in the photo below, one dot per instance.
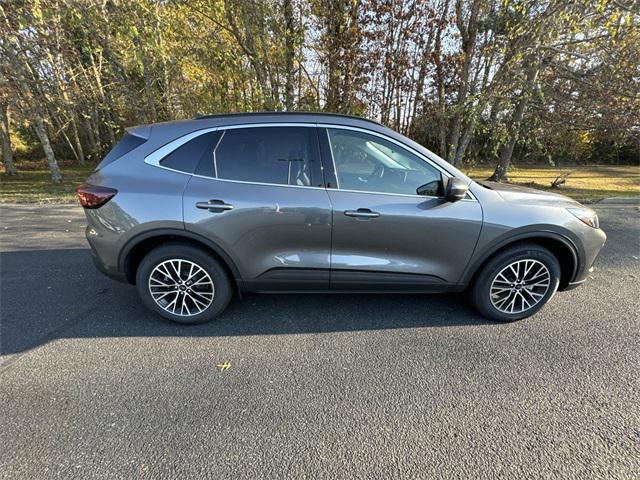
(285, 280)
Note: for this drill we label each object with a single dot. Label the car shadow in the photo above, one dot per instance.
(54, 294)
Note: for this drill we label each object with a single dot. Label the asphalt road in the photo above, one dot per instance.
(92, 385)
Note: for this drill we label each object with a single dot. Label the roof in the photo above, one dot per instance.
(286, 114)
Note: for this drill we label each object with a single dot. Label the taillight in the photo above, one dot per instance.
(93, 196)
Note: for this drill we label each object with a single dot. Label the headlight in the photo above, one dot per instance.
(586, 215)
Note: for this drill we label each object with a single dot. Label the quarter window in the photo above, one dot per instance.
(197, 152)
(369, 163)
(277, 155)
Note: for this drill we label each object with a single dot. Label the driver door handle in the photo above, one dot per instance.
(361, 213)
(214, 206)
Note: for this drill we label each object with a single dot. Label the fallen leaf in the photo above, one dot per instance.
(224, 366)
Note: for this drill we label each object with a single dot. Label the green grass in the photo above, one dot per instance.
(586, 184)
(35, 186)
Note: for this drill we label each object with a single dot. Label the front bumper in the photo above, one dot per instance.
(577, 283)
(592, 244)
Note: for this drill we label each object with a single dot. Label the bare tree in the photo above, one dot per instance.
(7, 154)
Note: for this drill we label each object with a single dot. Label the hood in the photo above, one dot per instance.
(525, 195)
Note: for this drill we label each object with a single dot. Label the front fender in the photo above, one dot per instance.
(487, 248)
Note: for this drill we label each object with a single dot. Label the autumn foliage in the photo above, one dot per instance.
(477, 81)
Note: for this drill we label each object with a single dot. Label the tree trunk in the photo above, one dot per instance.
(247, 44)
(41, 131)
(59, 72)
(93, 144)
(78, 143)
(166, 86)
(464, 141)
(500, 173)
(7, 154)
(332, 33)
(439, 81)
(468, 33)
(70, 143)
(95, 127)
(289, 54)
(425, 60)
(148, 81)
(493, 118)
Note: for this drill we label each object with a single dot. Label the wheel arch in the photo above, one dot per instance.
(561, 247)
(136, 248)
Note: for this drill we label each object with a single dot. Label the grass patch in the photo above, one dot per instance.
(35, 186)
(585, 184)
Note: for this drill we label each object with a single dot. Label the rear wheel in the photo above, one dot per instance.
(516, 283)
(183, 283)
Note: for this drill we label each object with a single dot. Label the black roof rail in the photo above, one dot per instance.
(324, 114)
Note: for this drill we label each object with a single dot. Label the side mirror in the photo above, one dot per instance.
(455, 190)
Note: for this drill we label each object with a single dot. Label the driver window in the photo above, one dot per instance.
(369, 163)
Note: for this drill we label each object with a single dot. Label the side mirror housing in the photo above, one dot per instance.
(455, 190)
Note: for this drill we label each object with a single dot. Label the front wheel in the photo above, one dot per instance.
(183, 283)
(516, 283)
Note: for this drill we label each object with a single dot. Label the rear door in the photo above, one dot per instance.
(385, 235)
(259, 195)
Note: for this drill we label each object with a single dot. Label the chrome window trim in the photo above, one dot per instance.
(155, 157)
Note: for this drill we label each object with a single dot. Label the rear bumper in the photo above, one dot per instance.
(102, 268)
(101, 254)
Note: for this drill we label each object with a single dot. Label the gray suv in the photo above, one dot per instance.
(193, 211)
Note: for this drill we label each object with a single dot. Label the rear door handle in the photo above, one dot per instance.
(361, 213)
(214, 206)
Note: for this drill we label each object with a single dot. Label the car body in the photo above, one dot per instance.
(291, 202)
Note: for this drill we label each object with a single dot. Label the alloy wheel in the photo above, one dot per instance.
(181, 287)
(520, 286)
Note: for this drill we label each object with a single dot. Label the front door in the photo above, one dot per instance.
(385, 236)
(260, 197)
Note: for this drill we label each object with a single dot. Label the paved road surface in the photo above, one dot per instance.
(92, 385)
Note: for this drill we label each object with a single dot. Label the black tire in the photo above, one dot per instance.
(222, 293)
(480, 292)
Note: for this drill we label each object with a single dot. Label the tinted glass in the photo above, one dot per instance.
(369, 163)
(124, 146)
(187, 157)
(280, 155)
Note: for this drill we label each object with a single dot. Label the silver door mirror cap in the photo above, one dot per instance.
(456, 189)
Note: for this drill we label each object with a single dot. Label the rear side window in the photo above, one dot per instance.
(124, 146)
(276, 155)
(187, 157)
